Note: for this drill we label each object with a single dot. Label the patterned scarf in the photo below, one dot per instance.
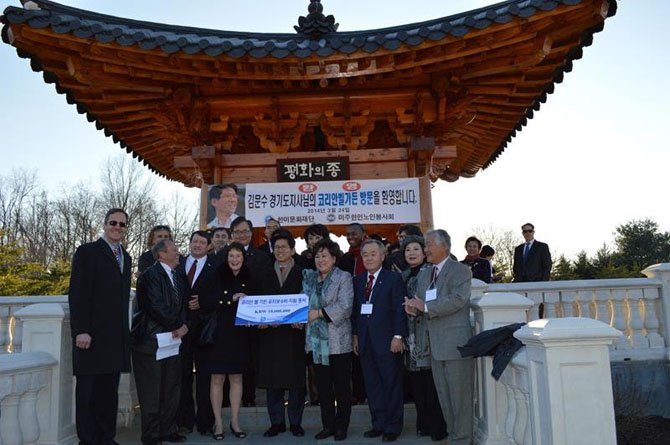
(317, 331)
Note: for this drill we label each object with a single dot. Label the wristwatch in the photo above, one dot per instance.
(398, 337)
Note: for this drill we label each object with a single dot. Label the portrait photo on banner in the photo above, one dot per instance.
(225, 202)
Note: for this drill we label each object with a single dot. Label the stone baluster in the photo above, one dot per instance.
(521, 400)
(46, 327)
(652, 323)
(602, 305)
(4, 328)
(10, 432)
(510, 419)
(619, 320)
(24, 375)
(493, 310)
(661, 272)
(536, 298)
(16, 328)
(551, 300)
(635, 322)
(569, 304)
(569, 366)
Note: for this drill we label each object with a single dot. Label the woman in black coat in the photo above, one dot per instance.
(230, 355)
(480, 267)
(281, 348)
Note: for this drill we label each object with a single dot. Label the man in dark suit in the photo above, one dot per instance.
(98, 297)
(200, 277)
(443, 296)
(532, 260)
(161, 309)
(379, 327)
(271, 225)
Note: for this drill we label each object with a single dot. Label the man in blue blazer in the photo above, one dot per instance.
(379, 327)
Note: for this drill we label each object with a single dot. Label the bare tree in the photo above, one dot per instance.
(125, 184)
(34, 227)
(503, 241)
(77, 220)
(15, 188)
(181, 216)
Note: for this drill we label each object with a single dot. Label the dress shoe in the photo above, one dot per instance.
(372, 433)
(174, 438)
(438, 437)
(206, 431)
(422, 433)
(389, 437)
(185, 430)
(340, 435)
(274, 430)
(324, 434)
(238, 434)
(297, 430)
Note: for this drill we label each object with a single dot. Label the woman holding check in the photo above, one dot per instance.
(230, 354)
(331, 295)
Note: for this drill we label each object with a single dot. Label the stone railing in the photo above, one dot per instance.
(24, 379)
(557, 390)
(10, 328)
(516, 390)
(638, 307)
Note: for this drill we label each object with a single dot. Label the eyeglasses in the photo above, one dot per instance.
(528, 231)
(241, 232)
(114, 223)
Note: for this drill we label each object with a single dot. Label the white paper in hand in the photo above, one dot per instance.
(167, 345)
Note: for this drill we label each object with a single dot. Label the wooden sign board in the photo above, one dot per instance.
(326, 169)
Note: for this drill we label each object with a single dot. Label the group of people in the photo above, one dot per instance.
(371, 313)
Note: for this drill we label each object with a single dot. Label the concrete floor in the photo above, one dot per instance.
(255, 422)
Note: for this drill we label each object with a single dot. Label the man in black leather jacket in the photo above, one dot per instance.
(161, 308)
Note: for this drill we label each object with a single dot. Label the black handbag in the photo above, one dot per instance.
(208, 331)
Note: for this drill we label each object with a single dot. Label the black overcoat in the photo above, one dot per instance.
(98, 297)
(232, 344)
(281, 349)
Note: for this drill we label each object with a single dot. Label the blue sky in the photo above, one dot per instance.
(593, 157)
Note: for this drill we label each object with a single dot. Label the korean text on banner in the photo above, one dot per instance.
(374, 201)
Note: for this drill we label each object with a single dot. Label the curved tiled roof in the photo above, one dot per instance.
(172, 39)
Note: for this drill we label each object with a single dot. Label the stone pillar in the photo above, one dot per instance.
(46, 327)
(570, 382)
(661, 272)
(493, 310)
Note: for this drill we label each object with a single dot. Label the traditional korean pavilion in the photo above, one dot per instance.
(438, 100)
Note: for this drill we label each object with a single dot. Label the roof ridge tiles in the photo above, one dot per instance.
(172, 38)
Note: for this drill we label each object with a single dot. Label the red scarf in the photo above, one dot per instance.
(356, 253)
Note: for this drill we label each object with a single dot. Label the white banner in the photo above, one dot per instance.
(272, 309)
(373, 201)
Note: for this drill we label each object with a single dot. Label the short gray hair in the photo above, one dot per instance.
(377, 243)
(160, 246)
(440, 236)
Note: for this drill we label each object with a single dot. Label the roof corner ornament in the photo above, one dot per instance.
(316, 25)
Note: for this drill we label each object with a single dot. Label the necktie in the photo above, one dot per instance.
(191, 272)
(117, 255)
(525, 252)
(175, 285)
(434, 277)
(368, 287)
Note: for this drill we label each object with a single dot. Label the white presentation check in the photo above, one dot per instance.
(272, 309)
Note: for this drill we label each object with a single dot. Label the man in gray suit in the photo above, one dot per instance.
(443, 296)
